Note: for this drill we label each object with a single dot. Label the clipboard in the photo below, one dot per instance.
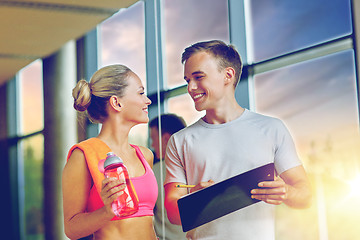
(222, 198)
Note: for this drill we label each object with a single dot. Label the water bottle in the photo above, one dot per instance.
(127, 203)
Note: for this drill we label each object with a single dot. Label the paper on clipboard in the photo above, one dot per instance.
(222, 198)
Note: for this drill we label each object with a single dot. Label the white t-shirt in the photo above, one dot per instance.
(205, 151)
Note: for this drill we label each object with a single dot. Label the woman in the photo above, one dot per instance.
(114, 97)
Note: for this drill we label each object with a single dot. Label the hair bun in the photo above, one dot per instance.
(82, 95)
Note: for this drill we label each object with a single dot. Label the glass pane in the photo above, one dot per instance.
(32, 106)
(317, 101)
(183, 106)
(33, 152)
(187, 22)
(139, 135)
(282, 26)
(123, 42)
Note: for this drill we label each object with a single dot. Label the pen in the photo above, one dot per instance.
(184, 186)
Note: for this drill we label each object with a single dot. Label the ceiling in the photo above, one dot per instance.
(30, 30)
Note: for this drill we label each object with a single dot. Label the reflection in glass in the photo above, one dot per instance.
(317, 101)
(187, 22)
(33, 152)
(282, 26)
(32, 106)
(183, 106)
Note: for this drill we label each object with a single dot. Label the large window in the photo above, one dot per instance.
(282, 26)
(33, 152)
(32, 98)
(183, 106)
(187, 22)
(31, 157)
(314, 93)
(316, 97)
(123, 42)
(317, 100)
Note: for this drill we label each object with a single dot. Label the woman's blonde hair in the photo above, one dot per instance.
(93, 97)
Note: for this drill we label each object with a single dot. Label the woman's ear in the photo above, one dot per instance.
(114, 103)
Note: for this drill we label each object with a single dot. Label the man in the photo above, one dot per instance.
(170, 124)
(227, 141)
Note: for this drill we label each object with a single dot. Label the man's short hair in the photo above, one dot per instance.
(170, 123)
(226, 55)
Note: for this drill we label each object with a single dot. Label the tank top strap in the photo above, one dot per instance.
(141, 157)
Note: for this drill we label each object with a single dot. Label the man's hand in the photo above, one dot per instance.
(173, 193)
(292, 188)
(202, 185)
(272, 192)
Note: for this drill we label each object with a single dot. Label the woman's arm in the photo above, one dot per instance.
(172, 194)
(76, 184)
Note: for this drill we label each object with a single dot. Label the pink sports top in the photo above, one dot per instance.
(145, 186)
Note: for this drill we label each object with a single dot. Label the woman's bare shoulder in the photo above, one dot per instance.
(148, 154)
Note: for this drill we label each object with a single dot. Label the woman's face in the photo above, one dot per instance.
(134, 102)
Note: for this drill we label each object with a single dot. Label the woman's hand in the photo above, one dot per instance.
(111, 189)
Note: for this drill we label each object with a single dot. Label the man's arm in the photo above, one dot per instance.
(292, 188)
(172, 194)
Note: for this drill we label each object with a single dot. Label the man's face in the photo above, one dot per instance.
(205, 81)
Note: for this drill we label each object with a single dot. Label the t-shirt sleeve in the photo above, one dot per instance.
(175, 171)
(286, 156)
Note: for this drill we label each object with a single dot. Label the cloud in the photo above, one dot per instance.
(123, 40)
